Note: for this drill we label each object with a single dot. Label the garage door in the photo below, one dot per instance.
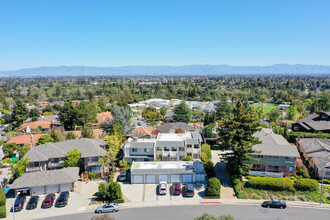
(187, 178)
(151, 179)
(175, 178)
(163, 178)
(137, 179)
(199, 178)
(52, 189)
(40, 190)
(66, 187)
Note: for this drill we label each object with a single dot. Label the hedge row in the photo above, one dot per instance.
(3, 212)
(209, 169)
(305, 184)
(3, 199)
(325, 181)
(213, 188)
(293, 135)
(270, 183)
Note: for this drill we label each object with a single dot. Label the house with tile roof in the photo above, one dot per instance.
(45, 125)
(142, 132)
(102, 118)
(317, 152)
(27, 139)
(316, 122)
(275, 156)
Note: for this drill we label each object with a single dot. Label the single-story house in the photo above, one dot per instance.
(168, 171)
(26, 139)
(275, 156)
(317, 152)
(51, 155)
(102, 118)
(48, 181)
(45, 125)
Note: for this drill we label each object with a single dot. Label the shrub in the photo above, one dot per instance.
(2, 197)
(204, 157)
(111, 177)
(115, 191)
(325, 181)
(270, 183)
(187, 158)
(303, 173)
(302, 198)
(213, 187)
(3, 212)
(121, 200)
(209, 169)
(92, 175)
(238, 186)
(207, 150)
(306, 185)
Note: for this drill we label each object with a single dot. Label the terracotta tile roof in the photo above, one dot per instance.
(142, 132)
(101, 118)
(25, 139)
(34, 125)
(96, 132)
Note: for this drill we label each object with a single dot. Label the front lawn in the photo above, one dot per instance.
(267, 107)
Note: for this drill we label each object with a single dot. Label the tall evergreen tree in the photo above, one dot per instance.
(20, 113)
(68, 116)
(236, 134)
(223, 110)
(182, 112)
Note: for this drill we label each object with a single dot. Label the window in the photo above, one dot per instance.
(274, 157)
(36, 164)
(159, 148)
(174, 149)
(189, 146)
(196, 146)
(134, 149)
(93, 159)
(327, 173)
(289, 160)
(189, 154)
(146, 150)
(166, 149)
(274, 169)
(257, 167)
(181, 148)
(196, 156)
(56, 160)
(95, 169)
(257, 156)
(289, 169)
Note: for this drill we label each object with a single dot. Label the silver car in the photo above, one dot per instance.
(111, 207)
(162, 188)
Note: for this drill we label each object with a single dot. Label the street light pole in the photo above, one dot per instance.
(322, 182)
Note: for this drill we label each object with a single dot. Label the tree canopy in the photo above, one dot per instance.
(182, 112)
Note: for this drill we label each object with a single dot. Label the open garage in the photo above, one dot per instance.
(44, 182)
(168, 171)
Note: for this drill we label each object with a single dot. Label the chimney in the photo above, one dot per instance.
(31, 138)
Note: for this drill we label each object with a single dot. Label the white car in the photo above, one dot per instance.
(162, 188)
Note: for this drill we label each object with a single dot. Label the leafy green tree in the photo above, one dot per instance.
(151, 115)
(213, 187)
(207, 150)
(223, 110)
(109, 160)
(163, 111)
(182, 112)
(274, 115)
(123, 119)
(73, 159)
(70, 135)
(68, 116)
(115, 191)
(86, 113)
(209, 118)
(46, 138)
(187, 158)
(10, 148)
(34, 113)
(208, 131)
(20, 113)
(237, 134)
(56, 134)
(87, 132)
(209, 169)
(17, 168)
(292, 113)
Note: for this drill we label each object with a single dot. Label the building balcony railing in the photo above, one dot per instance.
(34, 169)
(265, 173)
(92, 163)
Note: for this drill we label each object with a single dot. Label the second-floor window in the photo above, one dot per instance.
(93, 159)
(289, 159)
(196, 146)
(257, 156)
(134, 149)
(174, 149)
(166, 149)
(181, 148)
(189, 154)
(274, 157)
(189, 146)
(146, 150)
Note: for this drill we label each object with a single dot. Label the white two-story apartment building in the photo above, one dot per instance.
(166, 147)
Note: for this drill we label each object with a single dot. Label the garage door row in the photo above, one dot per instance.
(172, 178)
(40, 190)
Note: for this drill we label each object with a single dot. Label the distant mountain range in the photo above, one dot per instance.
(297, 69)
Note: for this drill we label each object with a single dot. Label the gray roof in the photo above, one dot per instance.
(166, 128)
(317, 148)
(170, 143)
(315, 121)
(142, 144)
(49, 177)
(87, 148)
(274, 144)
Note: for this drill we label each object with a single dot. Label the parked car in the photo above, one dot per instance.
(176, 187)
(189, 190)
(274, 204)
(111, 207)
(33, 202)
(63, 199)
(162, 188)
(122, 176)
(49, 201)
(19, 203)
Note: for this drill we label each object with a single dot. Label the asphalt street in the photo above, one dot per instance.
(239, 212)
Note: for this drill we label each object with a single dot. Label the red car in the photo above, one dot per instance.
(49, 201)
(176, 188)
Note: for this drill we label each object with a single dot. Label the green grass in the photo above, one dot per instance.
(267, 107)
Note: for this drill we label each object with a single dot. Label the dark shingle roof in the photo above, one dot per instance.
(87, 148)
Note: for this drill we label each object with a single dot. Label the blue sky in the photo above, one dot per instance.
(163, 32)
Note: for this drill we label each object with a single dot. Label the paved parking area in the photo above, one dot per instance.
(148, 193)
(78, 202)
